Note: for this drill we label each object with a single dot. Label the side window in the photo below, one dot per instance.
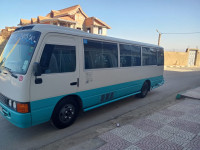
(149, 56)
(160, 54)
(58, 59)
(110, 55)
(130, 55)
(100, 54)
(93, 52)
(125, 55)
(136, 55)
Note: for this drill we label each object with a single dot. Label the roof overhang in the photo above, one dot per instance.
(69, 12)
(24, 22)
(91, 22)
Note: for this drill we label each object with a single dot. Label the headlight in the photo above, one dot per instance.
(10, 103)
(14, 105)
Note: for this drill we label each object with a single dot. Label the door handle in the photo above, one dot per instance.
(73, 83)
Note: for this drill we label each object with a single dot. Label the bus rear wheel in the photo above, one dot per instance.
(65, 113)
(144, 90)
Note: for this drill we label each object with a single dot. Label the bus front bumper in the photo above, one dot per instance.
(18, 119)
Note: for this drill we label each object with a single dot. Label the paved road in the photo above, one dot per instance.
(12, 137)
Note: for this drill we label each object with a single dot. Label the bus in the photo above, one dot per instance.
(52, 73)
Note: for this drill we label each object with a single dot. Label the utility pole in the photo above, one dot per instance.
(159, 37)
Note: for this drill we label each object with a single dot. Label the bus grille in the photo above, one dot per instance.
(3, 99)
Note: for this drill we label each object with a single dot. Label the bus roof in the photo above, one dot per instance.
(71, 31)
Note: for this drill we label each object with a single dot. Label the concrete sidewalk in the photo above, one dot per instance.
(181, 68)
(176, 127)
(193, 93)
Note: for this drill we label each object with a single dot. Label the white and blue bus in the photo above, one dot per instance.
(51, 73)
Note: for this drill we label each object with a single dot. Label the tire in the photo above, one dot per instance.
(65, 113)
(144, 90)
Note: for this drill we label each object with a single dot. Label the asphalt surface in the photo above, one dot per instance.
(43, 135)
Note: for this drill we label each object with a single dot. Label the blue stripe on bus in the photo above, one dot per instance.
(41, 110)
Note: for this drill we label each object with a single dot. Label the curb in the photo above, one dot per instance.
(182, 95)
(179, 96)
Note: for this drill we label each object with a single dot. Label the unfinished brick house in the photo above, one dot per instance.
(72, 17)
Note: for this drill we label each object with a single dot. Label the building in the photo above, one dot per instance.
(72, 17)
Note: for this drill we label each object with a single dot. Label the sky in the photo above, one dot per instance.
(135, 20)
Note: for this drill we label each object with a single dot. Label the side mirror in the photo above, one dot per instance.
(37, 69)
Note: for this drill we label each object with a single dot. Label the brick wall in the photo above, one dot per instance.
(198, 59)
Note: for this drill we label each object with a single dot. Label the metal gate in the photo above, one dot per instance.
(192, 57)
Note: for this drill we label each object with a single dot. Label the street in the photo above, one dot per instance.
(44, 136)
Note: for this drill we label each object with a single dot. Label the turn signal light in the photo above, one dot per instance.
(22, 108)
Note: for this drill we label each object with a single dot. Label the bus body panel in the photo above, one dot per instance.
(123, 80)
(43, 109)
(19, 89)
(109, 93)
(16, 90)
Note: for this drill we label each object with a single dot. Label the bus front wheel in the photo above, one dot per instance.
(65, 113)
(144, 90)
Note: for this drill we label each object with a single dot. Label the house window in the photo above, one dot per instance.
(100, 31)
(79, 28)
(88, 30)
(54, 23)
(51, 15)
(62, 24)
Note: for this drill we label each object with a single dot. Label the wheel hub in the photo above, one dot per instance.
(67, 113)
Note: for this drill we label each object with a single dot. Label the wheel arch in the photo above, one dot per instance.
(149, 83)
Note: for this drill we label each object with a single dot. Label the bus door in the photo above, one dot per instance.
(58, 58)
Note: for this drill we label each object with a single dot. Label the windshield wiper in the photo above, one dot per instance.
(9, 70)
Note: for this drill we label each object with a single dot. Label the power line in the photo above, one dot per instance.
(183, 33)
(160, 33)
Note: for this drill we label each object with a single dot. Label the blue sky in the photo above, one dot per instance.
(130, 19)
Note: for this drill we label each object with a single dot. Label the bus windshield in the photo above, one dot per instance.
(19, 50)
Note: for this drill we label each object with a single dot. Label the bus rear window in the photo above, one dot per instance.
(160, 57)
